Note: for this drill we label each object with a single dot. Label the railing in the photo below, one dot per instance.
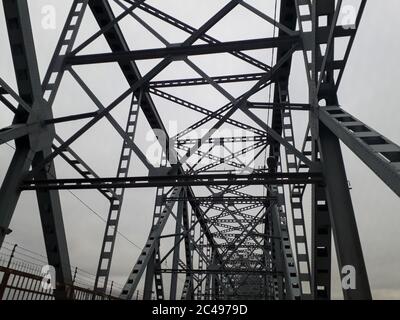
(20, 285)
(22, 279)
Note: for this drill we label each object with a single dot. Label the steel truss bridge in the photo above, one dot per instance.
(239, 229)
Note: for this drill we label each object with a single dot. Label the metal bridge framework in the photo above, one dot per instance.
(230, 243)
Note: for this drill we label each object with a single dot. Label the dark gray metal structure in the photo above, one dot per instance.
(239, 228)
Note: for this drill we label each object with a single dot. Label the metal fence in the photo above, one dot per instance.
(21, 278)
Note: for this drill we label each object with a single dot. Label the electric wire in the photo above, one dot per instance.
(94, 212)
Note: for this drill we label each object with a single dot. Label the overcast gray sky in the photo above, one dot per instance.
(369, 91)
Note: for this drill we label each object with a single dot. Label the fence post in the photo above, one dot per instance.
(74, 277)
(6, 276)
(112, 283)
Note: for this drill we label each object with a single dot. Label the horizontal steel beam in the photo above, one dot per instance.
(283, 106)
(237, 220)
(223, 272)
(180, 50)
(222, 140)
(228, 200)
(203, 81)
(182, 180)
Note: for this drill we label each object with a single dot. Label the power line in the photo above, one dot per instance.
(25, 249)
(89, 276)
(94, 212)
(91, 210)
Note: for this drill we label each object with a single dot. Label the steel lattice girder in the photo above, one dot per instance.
(327, 125)
(326, 149)
(180, 51)
(181, 180)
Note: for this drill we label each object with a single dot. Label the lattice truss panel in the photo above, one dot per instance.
(190, 102)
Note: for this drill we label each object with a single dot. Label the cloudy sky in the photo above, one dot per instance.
(368, 91)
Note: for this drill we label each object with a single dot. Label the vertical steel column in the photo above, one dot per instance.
(200, 276)
(187, 291)
(321, 239)
(214, 281)
(320, 225)
(53, 230)
(175, 259)
(148, 284)
(296, 203)
(208, 276)
(276, 258)
(269, 278)
(325, 143)
(344, 226)
(28, 81)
